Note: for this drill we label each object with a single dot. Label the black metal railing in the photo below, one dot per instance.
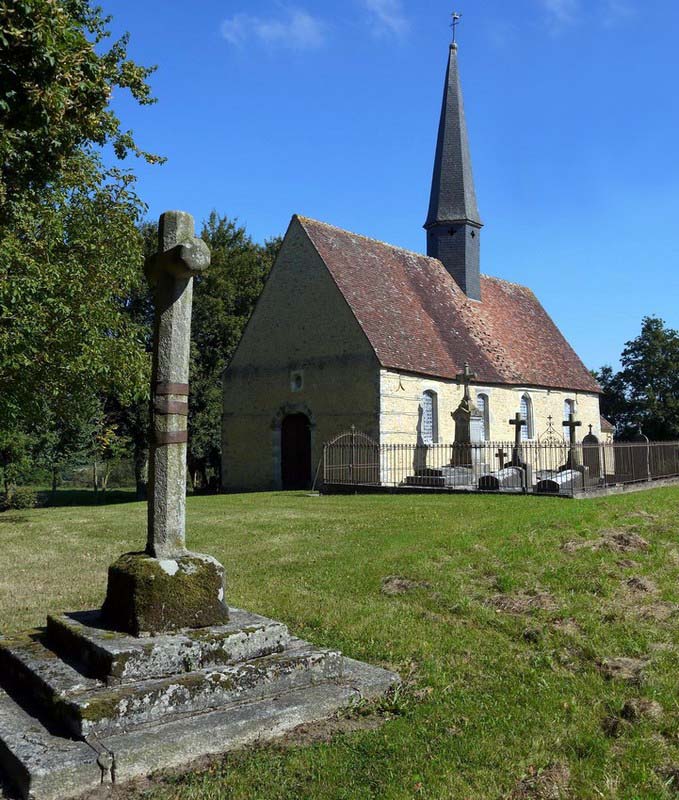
(354, 459)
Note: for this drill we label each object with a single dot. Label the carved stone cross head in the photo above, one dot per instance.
(180, 253)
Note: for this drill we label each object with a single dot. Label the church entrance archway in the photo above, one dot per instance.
(296, 451)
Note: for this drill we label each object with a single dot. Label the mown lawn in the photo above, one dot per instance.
(501, 643)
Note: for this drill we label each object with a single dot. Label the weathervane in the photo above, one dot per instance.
(456, 21)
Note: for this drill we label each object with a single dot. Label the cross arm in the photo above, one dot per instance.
(184, 260)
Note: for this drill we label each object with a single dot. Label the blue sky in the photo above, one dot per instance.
(330, 109)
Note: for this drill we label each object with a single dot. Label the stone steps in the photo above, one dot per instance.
(86, 706)
(105, 711)
(43, 766)
(118, 657)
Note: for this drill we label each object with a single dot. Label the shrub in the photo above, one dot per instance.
(21, 498)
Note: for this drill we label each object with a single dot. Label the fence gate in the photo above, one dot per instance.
(352, 458)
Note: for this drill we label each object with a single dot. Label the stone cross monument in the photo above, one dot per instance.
(180, 257)
(463, 416)
(166, 587)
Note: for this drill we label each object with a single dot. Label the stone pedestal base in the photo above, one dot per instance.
(81, 705)
(147, 595)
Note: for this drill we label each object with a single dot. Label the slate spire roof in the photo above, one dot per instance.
(417, 318)
(453, 197)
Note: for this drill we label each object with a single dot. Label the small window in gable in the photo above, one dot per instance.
(526, 409)
(429, 422)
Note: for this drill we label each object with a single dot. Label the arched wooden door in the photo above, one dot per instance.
(296, 452)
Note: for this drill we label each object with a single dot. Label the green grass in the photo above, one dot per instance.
(490, 697)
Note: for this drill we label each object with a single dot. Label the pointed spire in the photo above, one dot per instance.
(453, 224)
(453, 197)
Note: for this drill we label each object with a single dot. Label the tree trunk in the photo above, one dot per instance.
(141, 470)
(55, 481)
(95, 478)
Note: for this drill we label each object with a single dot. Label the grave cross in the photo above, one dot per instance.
(519, 422)
(501, 456)
(517, 455)
(572, 424)
(171, 270)
(466, 377)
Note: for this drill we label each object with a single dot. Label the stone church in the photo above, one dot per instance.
(353, 331)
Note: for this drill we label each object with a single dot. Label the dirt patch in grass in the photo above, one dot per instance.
(630, 670)
(671, 777)
(619, 541)
(323, 731)
(644, 515)
(548, 784)
(523, 603)
(641, 585)
(634, 711)
(568, 626)
(396, 584)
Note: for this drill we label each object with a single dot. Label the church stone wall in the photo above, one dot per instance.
(400, 395)
(302, 351)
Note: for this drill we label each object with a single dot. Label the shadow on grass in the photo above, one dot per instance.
(86, 497)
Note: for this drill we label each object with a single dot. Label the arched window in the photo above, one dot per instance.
(430, 418)
(568, 409)
(483, 406)
(526, 409)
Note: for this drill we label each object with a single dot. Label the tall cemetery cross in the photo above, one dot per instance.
(518, 422)
(573, 456)
(463, 420)
(167, 587)
(466, 377)
(572, 424)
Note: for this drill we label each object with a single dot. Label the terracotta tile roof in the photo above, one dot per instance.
(607, 426)
(417, 318)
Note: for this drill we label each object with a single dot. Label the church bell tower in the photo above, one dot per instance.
(453, 224)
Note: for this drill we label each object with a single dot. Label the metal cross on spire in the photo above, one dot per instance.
(456, 21)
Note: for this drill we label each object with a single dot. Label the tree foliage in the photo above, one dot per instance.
(56, 82)
(70, 249)
(644, 394)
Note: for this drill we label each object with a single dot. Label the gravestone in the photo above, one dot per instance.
(458, 477)
(591, 455)
(564, 482)
(93, 698)
(506, 479)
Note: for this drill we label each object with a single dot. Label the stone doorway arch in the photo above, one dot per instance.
(293, 439)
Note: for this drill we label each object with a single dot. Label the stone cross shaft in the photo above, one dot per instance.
(180, 257)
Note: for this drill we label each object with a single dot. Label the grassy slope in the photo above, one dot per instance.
(487, 702)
